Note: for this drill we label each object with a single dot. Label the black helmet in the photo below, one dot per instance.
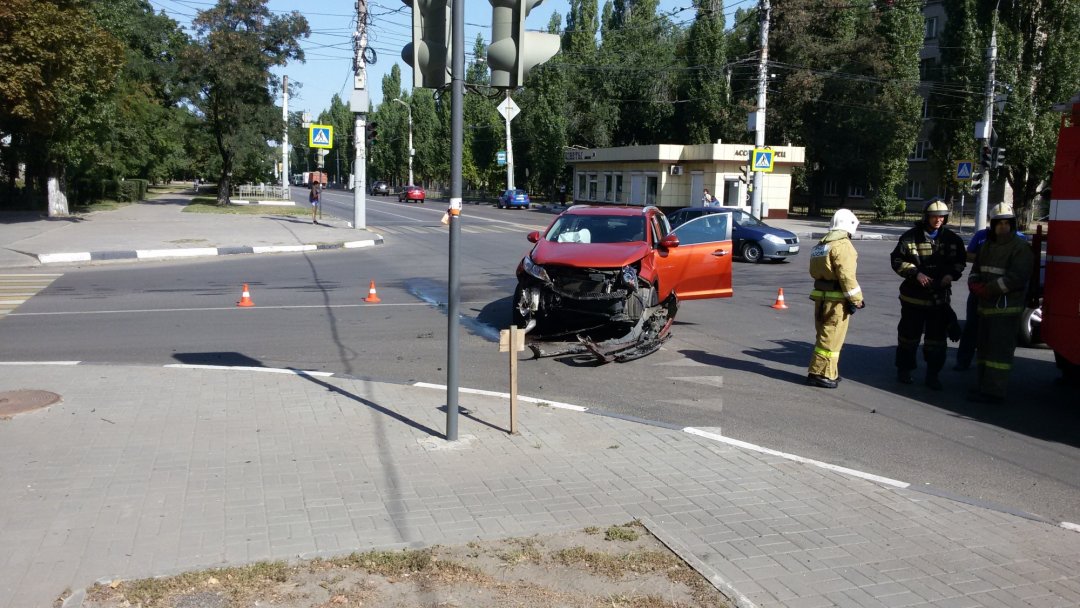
(936, 208)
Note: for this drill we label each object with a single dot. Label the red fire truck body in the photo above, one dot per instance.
(1060, 327)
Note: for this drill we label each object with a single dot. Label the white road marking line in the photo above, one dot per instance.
(40, 362)
(243, 368)
(384, 304)
(717, 381)
(795, 458)
(1070, 526)
(476, 391)
(32, 275)
(151, 254)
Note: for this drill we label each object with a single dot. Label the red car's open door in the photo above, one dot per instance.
(700, 266)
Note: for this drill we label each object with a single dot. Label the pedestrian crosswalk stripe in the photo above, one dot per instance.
(15, 289)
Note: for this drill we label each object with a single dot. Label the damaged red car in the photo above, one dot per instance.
(622, 270)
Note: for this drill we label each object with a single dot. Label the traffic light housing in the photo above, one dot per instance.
(514, 51)
(999, 157)
(977, 182)
(429, 51)
(987, 157)
(371, 131)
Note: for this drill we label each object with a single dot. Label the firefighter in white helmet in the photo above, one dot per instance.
(836, 296)
(999, 279)
(929, 257)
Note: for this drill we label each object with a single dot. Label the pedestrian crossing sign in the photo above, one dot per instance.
(763, 160)
(321, 136)
(964, 170)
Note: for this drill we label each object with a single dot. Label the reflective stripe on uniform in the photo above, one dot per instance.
(991, 270)
(1012, 310)
(826, 353)
(995, 364)
(857, 290)
(917, 301)
(1002, 285)
(827, 295)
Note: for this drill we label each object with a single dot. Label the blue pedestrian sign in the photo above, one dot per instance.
(321, 136)
(964, 171)
(763, 160)
(500, 157)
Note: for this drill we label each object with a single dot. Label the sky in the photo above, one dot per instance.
(328, 52)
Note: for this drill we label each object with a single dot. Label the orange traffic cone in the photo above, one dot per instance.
(779, 304)
(245, 298)
(372, 297)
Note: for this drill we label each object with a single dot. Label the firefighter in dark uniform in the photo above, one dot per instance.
(836, 296)
(929, 257)
(999, 278)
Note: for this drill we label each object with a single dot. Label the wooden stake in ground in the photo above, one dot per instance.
(516, 337)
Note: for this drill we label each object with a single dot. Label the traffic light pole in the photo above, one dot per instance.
(759, 120)
(457, 141)
(359, 106)
(988, 127)
(285, 137)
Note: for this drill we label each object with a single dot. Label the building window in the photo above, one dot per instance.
(930, 31)
(921, 151)
(651, 184)
(618, 189)
(581, 186)
(926, 108)
(926, 68)
(830, 187)
(913, 190)
(609, 187)
(855, 191)
(592, 187)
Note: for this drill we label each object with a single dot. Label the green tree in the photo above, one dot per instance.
(57, 66)
(708, 114)
(236, 43)
(540, 132)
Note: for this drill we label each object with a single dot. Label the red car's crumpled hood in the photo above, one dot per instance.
(589, 255)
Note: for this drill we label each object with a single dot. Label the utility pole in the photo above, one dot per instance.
(285, 138)
(457, 142)
(509, 148)
(984, 130)
(359, 106)
(758, 117)
(409, 108)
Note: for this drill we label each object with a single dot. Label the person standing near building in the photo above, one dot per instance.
(836, 296)
(999, 279)
(929, 257)
(707, 199)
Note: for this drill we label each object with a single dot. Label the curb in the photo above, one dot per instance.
(194, 252)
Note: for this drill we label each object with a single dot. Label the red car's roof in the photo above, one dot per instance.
(606, 210)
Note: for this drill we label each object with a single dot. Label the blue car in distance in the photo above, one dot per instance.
(513, 198)
(753, 239)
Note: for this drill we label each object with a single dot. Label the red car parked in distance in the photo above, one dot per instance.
(411, 194)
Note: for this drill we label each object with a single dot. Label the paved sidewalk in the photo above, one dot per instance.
(141, 471)
(158, 228)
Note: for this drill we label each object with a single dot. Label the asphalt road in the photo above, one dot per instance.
(736, 365)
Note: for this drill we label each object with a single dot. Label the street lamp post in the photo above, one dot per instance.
(408, 107)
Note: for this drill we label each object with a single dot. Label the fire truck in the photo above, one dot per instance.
(1060, 327)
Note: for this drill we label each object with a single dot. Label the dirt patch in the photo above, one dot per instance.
(616, 567)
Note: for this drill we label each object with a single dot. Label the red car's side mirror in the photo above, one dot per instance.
(669, 241)
(534, 236)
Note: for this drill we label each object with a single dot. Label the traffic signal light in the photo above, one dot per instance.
(371, 130)
(514, 51)
(977, 182)
(999, 157)
(429, 51)
(987, 157)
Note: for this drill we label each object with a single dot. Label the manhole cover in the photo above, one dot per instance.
(13, 403)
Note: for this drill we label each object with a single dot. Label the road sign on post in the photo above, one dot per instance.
(321, 136)
(514, 51)
(763, 160)
(964, 170)
(500, 157)
(429, 52)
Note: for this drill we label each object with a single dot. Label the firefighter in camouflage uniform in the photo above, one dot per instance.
(836, 296)
(999, 279)
(929, 257)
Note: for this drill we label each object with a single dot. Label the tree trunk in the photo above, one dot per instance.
(224, 179)
(57, 199)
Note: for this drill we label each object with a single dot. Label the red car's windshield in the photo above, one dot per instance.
(570, 228)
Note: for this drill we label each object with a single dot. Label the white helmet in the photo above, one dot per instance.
(844, 219)
(1002, 211)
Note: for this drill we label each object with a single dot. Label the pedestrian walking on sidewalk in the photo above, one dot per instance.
(315, 197)
(836, 296)
(707, 199)
(929, 257)
(999, 279)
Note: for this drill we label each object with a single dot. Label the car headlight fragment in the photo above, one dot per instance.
(535, 269)
(772, 238)
(629, 276)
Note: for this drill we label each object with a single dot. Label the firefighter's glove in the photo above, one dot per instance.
(850, 307)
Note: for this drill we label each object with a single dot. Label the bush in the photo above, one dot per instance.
(131, 190)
